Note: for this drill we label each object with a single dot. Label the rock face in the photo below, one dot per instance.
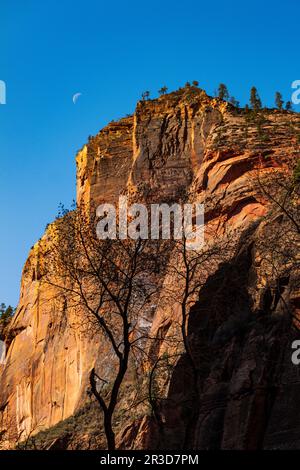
(48, 358)
(181, 145)
(104, 164)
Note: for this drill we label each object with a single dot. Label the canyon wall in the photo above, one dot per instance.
(182, 145)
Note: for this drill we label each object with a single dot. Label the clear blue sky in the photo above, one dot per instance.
(111, 52)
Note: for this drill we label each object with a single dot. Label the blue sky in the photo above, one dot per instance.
(111, 52)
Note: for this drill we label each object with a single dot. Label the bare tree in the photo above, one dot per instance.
(145, 95)
(279, 243)
(175, 346)
(110, 281)
(282, 191)
(189, 269)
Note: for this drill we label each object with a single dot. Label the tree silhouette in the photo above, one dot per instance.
(223, 93)
(278, 100)
(145, 95)
(108, 282)
(163, 90)
(255, 100)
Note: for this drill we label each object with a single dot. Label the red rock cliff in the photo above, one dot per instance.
(182, 142)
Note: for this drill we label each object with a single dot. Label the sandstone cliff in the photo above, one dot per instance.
(241, 331)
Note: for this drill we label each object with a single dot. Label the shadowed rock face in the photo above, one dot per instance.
(186, 144)
(247, 384)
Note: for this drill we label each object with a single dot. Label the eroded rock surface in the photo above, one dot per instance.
(181, 145)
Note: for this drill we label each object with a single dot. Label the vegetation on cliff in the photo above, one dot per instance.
(6, 314)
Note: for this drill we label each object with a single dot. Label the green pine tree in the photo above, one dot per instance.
(163, 90)
(278, 100)
(6, 313)
(255, 100)
(223, 93)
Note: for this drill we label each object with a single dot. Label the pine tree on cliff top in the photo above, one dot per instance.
(278, 100)
(145, 95)
(223, 93)
(163, 90)
(255, 100)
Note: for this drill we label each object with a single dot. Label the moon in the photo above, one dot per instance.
(75, 97)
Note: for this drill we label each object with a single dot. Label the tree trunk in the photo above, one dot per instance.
(110, 435)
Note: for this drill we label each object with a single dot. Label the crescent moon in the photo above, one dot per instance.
(75, 97)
